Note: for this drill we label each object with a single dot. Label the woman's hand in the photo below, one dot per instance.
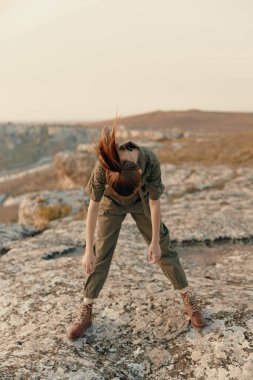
(154, 253)
(88, 261)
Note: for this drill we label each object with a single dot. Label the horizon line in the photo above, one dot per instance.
(45, 121)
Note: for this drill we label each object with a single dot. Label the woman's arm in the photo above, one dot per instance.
(89, 257)
(154, 252)
(95, 190)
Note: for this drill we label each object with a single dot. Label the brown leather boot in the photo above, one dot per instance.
(83, 321)
(193, 310)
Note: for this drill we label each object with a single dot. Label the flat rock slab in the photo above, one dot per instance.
(202, 203)
(12, 232)
(140, 330)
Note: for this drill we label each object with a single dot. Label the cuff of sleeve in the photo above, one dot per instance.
(96, 197)
(154, 195)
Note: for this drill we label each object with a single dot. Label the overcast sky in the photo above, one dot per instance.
(87, 59)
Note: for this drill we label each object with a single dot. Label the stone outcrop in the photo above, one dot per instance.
(23, 145)
(38, 209)
(12, 232)
(215, 203)
(153, 134)
(73, 169)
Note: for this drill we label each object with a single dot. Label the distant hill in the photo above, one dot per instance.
(193, 120)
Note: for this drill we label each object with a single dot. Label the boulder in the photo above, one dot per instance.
(39, 209)
(73, 169)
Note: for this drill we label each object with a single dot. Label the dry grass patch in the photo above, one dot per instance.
(233, 150)
(53, 212)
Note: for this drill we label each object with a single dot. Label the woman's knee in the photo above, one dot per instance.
(169, 257)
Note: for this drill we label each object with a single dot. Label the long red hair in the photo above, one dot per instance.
(123, 176)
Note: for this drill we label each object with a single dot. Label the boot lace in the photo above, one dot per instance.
(191, 303)
(84, 314)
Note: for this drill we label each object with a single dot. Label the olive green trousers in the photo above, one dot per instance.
(110, 218)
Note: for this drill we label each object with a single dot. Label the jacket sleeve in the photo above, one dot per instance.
(155, 185)
(96, 184)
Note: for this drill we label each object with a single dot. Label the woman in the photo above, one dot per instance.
(126, 179)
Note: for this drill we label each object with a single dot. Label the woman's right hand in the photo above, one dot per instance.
(88, 261)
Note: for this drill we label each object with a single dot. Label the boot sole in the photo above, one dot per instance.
(199, 328)
(81, 336)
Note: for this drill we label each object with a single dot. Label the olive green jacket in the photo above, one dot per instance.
(151, 182)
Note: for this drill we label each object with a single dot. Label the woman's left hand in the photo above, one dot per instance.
(154, 253)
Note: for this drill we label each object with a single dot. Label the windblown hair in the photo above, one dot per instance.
(123, 176)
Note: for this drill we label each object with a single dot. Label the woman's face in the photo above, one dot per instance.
(129, 155)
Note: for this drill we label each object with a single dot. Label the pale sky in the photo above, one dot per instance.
(66, 60)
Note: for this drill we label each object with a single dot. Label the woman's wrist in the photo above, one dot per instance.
(88, 251)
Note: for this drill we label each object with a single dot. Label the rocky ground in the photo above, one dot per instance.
(140, 330)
